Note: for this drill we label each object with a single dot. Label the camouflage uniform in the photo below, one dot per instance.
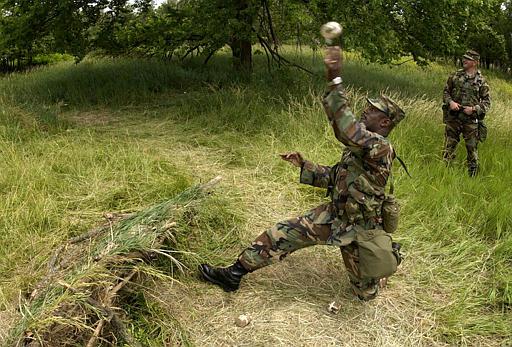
(470, 91)
(356, 188)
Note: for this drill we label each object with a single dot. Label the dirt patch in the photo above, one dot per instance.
(93, 118)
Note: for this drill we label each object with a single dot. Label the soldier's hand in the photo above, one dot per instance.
(332, 61)
(454, 106)
(468, 110)
(295, 158)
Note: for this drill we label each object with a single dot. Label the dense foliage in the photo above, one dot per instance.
(384, 30)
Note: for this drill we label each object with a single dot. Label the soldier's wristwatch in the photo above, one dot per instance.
(335, 81)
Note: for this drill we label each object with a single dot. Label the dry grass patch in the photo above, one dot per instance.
(93, 118)
(288, 305)
(288, 301)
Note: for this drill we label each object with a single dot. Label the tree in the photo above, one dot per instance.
(31, 27)
(382, 30)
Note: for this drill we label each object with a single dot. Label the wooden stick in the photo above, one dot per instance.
(114, 320)
(96, 334)
(121, 284)
(210, 184)
(87, 235)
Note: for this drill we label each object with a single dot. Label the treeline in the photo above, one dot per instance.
(383, 30)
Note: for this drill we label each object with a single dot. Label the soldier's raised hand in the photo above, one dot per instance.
(294, 158)
(332, 61)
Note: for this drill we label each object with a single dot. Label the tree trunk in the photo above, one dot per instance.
(30, 56)
(242, 54)
(240, 44)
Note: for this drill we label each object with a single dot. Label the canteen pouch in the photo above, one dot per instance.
(390, 213)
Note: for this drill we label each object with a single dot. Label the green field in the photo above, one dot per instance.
(79, 141)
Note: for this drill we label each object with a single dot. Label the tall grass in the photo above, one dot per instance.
(103, 135)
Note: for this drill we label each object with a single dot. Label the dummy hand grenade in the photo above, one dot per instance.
(330, 31)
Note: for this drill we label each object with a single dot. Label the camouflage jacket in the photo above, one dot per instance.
(356, 183)
(468, 91)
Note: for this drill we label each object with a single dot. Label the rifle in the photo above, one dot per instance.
(460, 110)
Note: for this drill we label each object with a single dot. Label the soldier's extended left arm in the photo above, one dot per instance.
(482, 107)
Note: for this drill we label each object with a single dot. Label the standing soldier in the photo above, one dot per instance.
(353, 219)
(466, 100)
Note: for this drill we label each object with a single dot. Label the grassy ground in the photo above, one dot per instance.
(120, 135)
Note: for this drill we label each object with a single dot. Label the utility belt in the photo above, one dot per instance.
(356, 213)
(339, 201)
(372, 219)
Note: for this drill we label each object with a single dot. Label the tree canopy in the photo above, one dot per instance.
(382, 30)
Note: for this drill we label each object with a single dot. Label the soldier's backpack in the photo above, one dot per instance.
(376, 257)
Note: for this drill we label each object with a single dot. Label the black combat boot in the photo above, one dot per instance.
(473, 171)
(228, 278)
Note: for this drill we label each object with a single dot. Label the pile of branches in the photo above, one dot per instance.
(80, 300)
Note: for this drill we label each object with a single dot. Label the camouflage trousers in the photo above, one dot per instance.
(310, 229)
(469, 130)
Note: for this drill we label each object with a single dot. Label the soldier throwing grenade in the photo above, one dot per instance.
(466, 100)
(352, 220)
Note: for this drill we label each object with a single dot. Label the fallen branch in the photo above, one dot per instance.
(121, 284)
(210, 184)
(108, 315)
(96, 334)
(88, 235)
(406, 61)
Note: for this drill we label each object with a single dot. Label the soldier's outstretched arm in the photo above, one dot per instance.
(315, 174)
(310, 173)
(346, 128)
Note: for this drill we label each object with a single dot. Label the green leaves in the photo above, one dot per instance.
(382, 30)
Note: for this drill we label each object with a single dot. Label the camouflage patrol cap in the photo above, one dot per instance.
(471, 55)
(389, 107)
